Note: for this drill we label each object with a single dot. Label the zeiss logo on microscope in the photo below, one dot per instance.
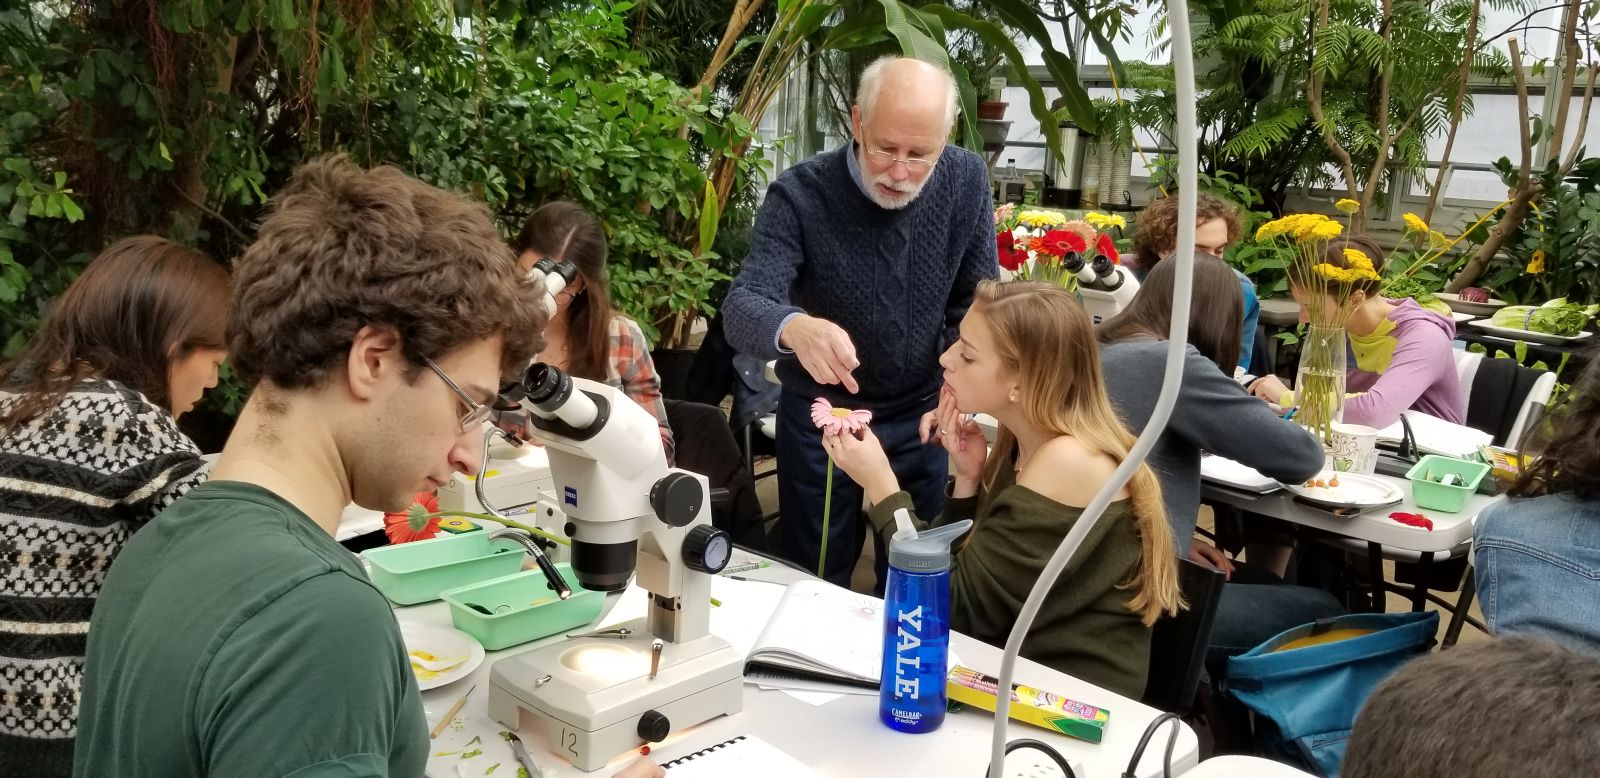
(569, 496)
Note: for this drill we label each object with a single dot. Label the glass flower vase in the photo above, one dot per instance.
(1319, 382)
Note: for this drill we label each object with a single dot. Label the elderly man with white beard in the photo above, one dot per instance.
(862, 262)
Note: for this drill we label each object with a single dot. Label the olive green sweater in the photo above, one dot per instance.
(1085, 628)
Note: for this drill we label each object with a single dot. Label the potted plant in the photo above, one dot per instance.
(994, 109)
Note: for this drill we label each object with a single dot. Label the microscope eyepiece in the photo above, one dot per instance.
(550, 390)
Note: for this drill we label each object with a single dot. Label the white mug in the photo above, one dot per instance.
(1353, 450)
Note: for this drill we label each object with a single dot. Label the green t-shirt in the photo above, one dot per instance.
(234, 637)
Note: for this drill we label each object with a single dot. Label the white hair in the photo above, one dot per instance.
(872, 86)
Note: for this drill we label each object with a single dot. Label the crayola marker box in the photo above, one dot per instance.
(1029, 705)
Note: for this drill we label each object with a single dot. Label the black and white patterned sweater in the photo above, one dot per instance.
(75, 484)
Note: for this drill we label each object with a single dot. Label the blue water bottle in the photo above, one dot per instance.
(916, 627)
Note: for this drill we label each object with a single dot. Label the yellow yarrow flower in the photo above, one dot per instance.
(1330, 272)
(1344, 275)
(1358, 259)
(1347, 206)
(1314, 227)
(1414, 223)
(1272, 229)
(1536, 263)
(1438, 240)
(1280, 226)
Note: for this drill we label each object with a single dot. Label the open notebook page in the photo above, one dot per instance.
(1437, 436)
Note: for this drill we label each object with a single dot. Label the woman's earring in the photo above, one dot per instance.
(1013, 396)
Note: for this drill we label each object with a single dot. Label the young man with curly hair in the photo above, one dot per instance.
(1217, 226)
(374, 316)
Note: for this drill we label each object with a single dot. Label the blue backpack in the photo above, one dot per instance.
(1310, 681)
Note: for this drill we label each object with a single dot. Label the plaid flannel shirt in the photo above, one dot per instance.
(630, 369)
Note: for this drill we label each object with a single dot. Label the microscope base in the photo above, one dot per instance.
(588, 714)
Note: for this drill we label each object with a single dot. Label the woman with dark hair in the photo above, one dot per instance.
(89, 452)
(1214, 415)
(1402, 353)
(1538, 554)
(587, 337)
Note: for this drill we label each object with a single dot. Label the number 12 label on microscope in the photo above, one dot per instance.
(569, 742)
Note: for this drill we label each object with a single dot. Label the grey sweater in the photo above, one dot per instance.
(1214, 414)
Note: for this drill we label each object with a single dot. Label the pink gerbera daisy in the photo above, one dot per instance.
(836, 421)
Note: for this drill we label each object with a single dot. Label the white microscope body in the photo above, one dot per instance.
(627, 512)
(1105, 296)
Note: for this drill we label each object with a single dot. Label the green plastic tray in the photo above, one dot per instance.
(1439, 497)
(522, 608)
(410, 573)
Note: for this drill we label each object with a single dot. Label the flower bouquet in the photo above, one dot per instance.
(1045, 246)
(1327, 290)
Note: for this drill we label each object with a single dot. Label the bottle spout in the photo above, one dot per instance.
(928, 551)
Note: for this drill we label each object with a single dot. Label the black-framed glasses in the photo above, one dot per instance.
(476, 413)
(920, 164)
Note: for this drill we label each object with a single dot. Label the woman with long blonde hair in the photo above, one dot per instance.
(1027, 356)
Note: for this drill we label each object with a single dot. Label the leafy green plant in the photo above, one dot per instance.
(182, 120)
(626, 142)
(1274, 75)
(1555, 250)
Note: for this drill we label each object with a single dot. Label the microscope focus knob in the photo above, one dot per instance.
(653, 727)
(677, 499)
(707, 549)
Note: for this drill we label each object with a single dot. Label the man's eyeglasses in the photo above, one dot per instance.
(476, 413)
(919, 164)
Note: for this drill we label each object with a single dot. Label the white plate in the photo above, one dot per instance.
(1477, 309)
(1355, 490)
(444, 643)
(1462, 318)
(1529, 335)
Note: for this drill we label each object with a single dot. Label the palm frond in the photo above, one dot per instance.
(1258, 139)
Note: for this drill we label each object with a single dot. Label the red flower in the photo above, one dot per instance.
(1059, 243)
(1004, 241)
(1013, 260)
(398, 525)
(1108, 249)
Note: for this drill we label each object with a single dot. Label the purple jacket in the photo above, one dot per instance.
(1420, 376)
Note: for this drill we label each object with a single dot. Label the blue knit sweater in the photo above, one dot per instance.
(898, 281)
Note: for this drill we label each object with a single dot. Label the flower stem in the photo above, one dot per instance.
(827, 502)
(508, 522)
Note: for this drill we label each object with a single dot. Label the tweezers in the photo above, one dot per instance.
(619, 633)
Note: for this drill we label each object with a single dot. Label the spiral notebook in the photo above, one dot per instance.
(743, 755)
(821, 632)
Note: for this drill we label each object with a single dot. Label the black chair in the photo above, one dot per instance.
(1499, 389)
(720, 370)
(1178, 645)
(706, 445)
